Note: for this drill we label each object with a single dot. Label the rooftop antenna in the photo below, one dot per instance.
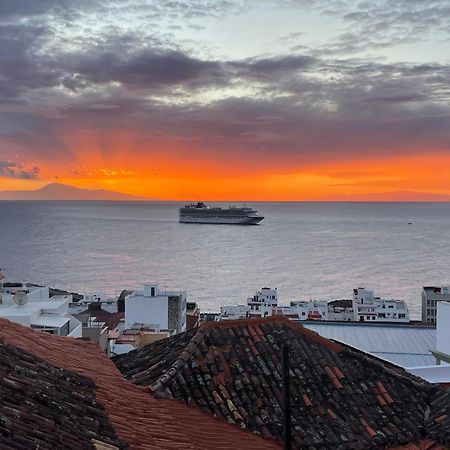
(2, 277)
(20, 298)
(287, 437)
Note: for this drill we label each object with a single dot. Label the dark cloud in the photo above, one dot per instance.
(150, 68)
(16, 170)
(21, 68)
(65, 9)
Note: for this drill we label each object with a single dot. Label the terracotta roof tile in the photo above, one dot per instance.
(341, 398)
(138, 418)
(42, 406)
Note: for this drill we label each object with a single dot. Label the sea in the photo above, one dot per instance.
(307, 250)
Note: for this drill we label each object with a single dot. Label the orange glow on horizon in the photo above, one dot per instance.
(182, 179)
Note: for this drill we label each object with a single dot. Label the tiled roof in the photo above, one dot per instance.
(139, 420)
(341, 398)
(42, 406)
(111, 319)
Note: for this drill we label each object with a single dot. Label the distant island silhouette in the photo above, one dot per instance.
(396, 196)
(58, 191)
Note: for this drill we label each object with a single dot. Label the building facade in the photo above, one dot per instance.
(364, 307)
(157, 310)
(431, 296)
(367, 307)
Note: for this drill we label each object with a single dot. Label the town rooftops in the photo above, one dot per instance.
(58, 392)
(340, 397)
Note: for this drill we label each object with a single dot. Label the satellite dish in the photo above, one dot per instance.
(20, 298)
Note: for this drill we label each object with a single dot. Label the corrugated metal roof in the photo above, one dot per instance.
(434, 374)
(403, 345)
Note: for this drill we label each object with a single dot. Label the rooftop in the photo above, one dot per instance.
(137, 418)
(341, 398)
(403, 345)
(43, 406)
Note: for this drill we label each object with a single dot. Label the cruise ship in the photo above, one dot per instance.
(200, 213)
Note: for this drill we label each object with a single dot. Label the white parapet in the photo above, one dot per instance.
(443, 328)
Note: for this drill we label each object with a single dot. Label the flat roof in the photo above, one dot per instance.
(433, 374)
(47, 320)
(401, 344)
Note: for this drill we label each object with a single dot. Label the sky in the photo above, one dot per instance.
(226, 99)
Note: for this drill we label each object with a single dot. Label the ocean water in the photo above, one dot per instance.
(306, 250)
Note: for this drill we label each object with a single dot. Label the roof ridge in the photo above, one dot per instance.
(281, 320)
(179, 362)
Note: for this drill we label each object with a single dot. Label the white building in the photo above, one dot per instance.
(107, 303)
(307, 310)
(443, 332)
(431, 296)
(33, 307)
(157, 310)
(440, 372)
(262, 304)
(367, 307)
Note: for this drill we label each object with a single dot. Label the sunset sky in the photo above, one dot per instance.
(225, 99)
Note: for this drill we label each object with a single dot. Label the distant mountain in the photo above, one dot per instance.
(397, 196)
(58, 191)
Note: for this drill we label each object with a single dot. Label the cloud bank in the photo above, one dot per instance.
(99, 67)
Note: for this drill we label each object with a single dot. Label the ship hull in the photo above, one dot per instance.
(222, 220)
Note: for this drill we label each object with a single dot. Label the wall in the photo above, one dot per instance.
(38, 294)
(146, 310)
(97, 334)
(443, 328)
(20, 318)
(149, 338)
